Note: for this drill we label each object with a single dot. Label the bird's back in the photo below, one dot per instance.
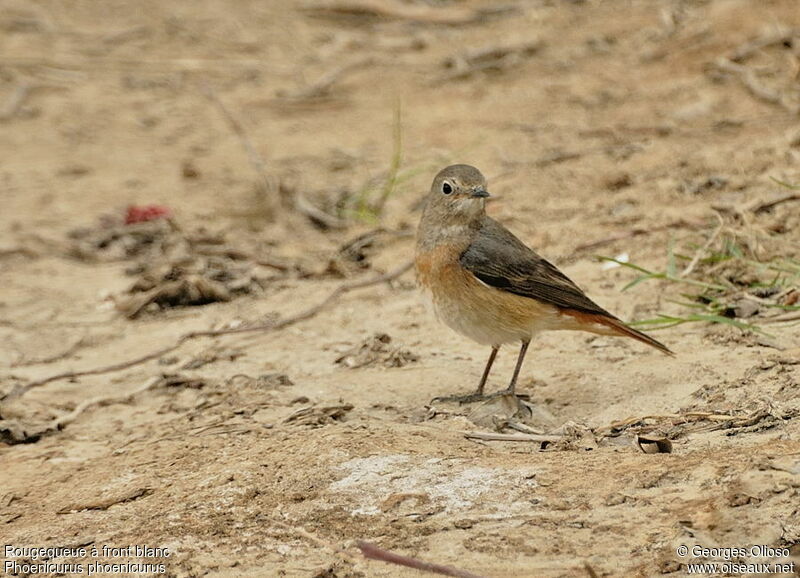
(499, 259)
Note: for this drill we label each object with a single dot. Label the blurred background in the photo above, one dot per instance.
(168, 167)
(562, 103)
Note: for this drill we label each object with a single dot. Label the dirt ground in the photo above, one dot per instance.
(271, 131)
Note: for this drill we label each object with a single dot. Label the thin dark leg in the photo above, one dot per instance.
(522, 351)
(486, 371)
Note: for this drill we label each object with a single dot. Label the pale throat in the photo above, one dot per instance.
(450, 231)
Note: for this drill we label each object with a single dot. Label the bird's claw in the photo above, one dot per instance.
(475, 397)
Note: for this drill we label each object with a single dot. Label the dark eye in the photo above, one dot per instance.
(447, 189)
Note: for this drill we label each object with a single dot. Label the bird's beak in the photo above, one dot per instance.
(480, 194)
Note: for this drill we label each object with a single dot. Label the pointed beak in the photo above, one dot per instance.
(479, 194)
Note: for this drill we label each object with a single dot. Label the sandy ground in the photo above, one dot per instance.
(271, 453)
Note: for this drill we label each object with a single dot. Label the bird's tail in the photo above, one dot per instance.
(619, 328)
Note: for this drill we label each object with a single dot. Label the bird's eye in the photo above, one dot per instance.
(447, 189)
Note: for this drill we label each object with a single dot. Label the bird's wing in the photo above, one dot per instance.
(500, 260)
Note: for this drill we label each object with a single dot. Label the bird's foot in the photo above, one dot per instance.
(460, 399)
(475, 397)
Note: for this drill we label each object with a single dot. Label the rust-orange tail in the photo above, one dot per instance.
(621, 329)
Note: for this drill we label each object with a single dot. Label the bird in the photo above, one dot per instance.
(489, 286)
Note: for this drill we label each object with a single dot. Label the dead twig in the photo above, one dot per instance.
(780, 318)
(491, 58)
(373, 552)
(7, 252)
(499, 437)
(673, 417)
(521, 427)
(750, 81)
(714, 421)
(27, 435)
(302, 532)
(397, 157)
(772, 38)
(239, 255)
(557, 156)
(762, 206)
(394, 10)
(702, 250)
(106, 503)
(268, 187)
(321, 88)
(589, 570)
(64, 64)
(320, 217)
(15, 102)
(61, 422)
(189, 290)
(682, 223)
(270, 326)
(22, 389)
(272, 263)
(316, 416)
(52, 358)
(123, 36)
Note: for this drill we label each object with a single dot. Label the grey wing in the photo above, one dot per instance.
(500, 260)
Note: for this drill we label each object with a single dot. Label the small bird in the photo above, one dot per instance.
(488, 285)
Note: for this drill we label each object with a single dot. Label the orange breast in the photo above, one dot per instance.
(440, 268)
(485, 314)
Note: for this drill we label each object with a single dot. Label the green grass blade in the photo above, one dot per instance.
(787, 185)
(672, 270)
(624, 264)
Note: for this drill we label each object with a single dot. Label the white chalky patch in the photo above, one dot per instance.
(452, 484)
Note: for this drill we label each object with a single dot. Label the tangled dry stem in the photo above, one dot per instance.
(20, 390)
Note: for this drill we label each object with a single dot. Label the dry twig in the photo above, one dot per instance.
(317, 416)
(751, 82)
(589, 570)
(106, 503)
(682, 223)
(267, 185)
(702, 250)
(373, 552)
(780, 318)
(494, 58)
(321, 88)
(64, 64)
(27, 252)
(499, 437)
(762, 206)
(698, 420)
(394, 10)
(270, 326)
(59, 423)
(68, 352)
(772, 38)
(325, 220)
(15, 102)
(300, 531)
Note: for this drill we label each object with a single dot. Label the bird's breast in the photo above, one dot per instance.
(467, 305)
(439, 268)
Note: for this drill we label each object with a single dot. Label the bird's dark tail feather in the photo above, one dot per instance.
(620, 328)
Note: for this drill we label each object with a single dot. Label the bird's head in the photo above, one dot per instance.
(458, 193)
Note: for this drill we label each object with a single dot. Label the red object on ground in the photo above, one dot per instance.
(143, 213)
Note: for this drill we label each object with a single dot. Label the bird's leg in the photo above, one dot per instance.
(487, 370)
(522, 351)
(478, 395)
